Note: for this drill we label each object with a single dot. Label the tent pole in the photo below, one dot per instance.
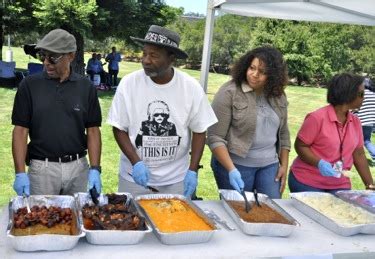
(206, 56)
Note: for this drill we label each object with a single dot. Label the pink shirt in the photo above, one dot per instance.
(321, 131)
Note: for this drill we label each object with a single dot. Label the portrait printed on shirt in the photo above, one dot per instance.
(157, 140)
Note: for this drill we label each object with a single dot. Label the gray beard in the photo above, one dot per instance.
(153, 74)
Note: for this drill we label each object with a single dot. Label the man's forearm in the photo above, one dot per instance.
(94, 145)
(19, 147)
(197, 147)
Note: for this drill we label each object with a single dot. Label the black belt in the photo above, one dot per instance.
(62, 159)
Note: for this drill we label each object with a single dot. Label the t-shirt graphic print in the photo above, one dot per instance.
(157, 139)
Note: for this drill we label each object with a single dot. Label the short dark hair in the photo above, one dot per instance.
(343, 88)
(275, 66)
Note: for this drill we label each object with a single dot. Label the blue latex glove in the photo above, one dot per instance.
(190, 183)
(22, 184)
(140, 173)
(326, 168)
(94, 180)
(236, 180)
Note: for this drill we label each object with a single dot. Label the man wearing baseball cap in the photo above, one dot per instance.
(59, 111)
(160, 159)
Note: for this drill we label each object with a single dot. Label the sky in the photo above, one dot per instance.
(195, 6)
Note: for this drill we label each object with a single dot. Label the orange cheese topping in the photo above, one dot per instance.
(173, 215)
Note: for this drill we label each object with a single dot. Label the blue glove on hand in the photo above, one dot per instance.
(190, 183)
(236, 180)
(326, 168)
(94, 180)
(140, 173)
(22, 184)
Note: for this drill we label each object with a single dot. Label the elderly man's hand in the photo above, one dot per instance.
(94, 180)
(190, 183)
(22, 184)
(140, 173)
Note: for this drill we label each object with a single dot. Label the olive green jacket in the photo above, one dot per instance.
(235, 108)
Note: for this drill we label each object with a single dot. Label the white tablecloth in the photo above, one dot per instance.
(310, 239)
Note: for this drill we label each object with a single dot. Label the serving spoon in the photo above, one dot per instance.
(26, 202)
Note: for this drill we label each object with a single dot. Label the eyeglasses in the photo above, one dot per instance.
(52, 58)
(361, 94)
(160, 114)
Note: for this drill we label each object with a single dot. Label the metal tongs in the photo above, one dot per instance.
(148, 186)
(212, 215)
(94, 195)
(152, 189)
(247, 204)
(26, 202)
(256, 197)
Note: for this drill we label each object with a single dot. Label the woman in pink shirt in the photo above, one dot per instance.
(330, 141)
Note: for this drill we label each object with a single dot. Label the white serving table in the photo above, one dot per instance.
(310, 240)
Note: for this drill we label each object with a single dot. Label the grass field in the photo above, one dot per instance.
(301, 101)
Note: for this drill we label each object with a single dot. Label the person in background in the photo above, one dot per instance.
(158, 115)
(366, 115)
(330, 141)
(92, 67)
(101, 64)
(250, 143)
(104, 76)
(59, 111)
(113, 59)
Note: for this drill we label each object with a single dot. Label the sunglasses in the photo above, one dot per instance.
(361, 94)
(52, 58)
(160, 114)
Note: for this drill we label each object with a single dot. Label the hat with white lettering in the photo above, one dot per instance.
(162, 37)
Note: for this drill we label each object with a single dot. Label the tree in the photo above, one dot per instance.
(232, 37)
(97, 19)
(73, 16)
(121, 19)
(363, 56)
(191, 32)
(16, 18)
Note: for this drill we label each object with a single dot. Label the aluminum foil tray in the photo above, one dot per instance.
(328, 222)
(179, 238)
(44, 242)
(110, 237)
(259, 229)
(362, 198)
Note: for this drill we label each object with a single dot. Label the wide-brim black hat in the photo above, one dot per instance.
(162, 37)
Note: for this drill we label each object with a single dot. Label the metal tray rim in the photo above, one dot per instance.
(260, 229)
(341, 229)
(101, 237)
(21, 243)
(184, 237)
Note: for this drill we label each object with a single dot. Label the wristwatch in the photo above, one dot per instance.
(96, 167)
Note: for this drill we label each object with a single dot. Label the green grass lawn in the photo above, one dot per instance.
(301, 101)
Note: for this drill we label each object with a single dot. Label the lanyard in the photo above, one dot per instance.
(341, 139)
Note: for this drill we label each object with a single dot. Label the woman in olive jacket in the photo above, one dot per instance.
(251, 142)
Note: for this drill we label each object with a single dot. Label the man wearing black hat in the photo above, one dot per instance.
(59, 111)
(152, 97)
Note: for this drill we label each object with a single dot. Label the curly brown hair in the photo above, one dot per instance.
(275, 66)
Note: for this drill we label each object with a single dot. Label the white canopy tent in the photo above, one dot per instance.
(336, 11)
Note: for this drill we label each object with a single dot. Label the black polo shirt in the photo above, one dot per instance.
(56, 114)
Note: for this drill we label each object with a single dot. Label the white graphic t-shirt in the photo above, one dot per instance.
(159, 120)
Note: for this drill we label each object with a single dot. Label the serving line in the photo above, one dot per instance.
(309, 239)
